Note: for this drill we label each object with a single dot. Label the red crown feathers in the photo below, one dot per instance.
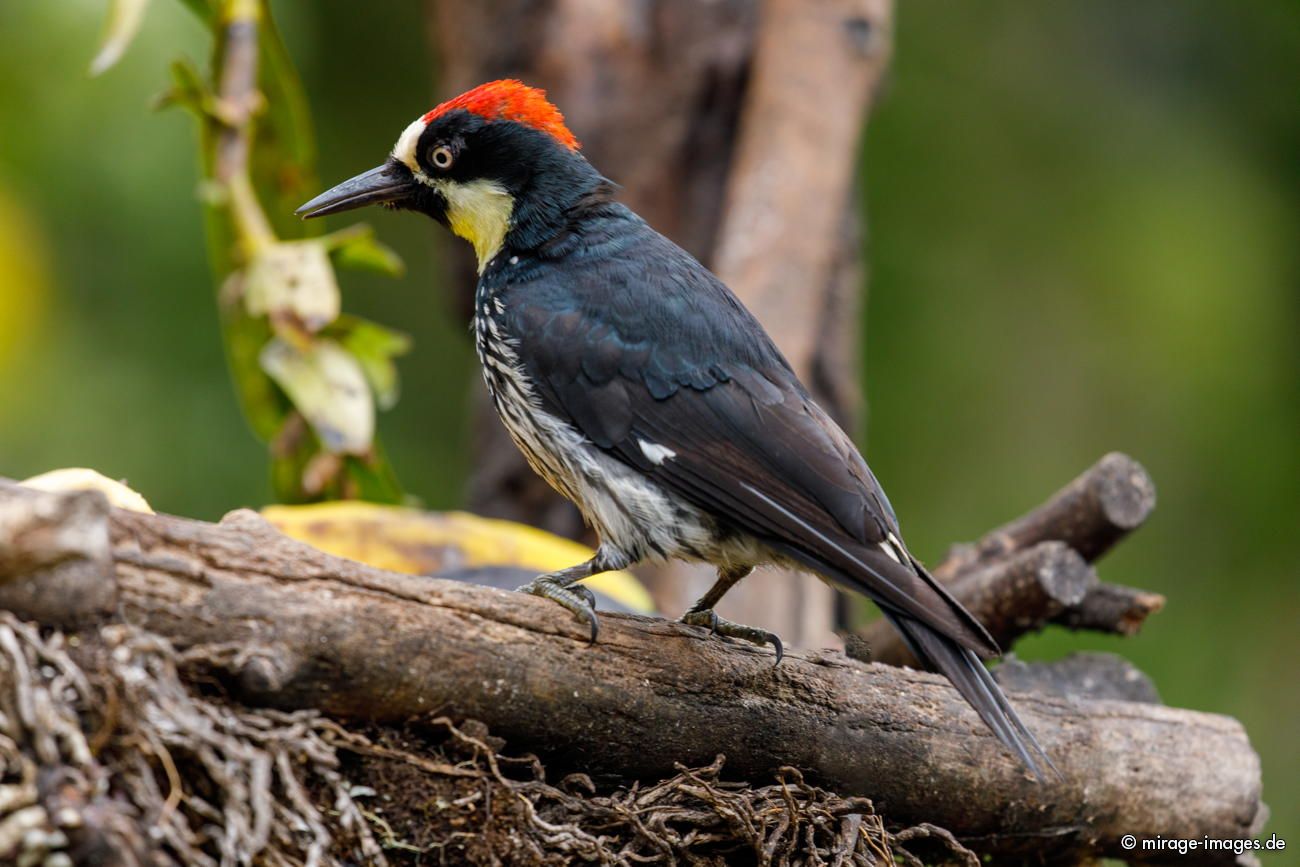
(509, 99)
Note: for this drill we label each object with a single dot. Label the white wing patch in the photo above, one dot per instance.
(655, 453)
(893, 547)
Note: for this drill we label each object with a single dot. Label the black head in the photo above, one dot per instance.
(495, 165)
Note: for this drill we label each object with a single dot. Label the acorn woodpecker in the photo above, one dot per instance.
(637, 384)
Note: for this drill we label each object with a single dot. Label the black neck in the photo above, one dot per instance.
(556, 205)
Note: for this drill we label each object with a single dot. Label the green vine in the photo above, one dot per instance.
(309, 378)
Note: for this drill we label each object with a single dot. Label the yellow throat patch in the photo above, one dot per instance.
(478, 211)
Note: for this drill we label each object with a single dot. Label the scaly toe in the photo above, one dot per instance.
(726, 629)
(707, 618)
(578, 600)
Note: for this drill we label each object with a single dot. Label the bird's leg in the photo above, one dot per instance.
(702, 613)
(563, 587)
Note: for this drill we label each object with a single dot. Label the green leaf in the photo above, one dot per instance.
(203, 9)
(357, 247)
(310, 398)
(301, 472)
(263, 404)
(292, 447)
(327, 386)
(374, 348)
(284, 158)
(124, 18)
(372, 479)
(188, 90)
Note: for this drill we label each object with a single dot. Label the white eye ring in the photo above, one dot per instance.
(441, 157)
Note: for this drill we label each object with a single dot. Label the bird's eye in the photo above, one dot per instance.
(441, 157)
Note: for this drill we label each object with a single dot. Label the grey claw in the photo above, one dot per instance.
(585, 592)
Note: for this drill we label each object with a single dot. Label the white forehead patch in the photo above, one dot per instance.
(404, 150)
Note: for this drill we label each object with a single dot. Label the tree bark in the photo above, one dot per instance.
(703, 112)
(292, 627)
(1080, 675)
(1112, 608)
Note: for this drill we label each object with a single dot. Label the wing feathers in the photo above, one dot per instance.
(644, 344)
(776, 471)
(889, 583)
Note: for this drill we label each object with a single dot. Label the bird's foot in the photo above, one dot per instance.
(575, 597)
(715, 624)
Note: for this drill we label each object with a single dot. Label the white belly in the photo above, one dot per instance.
(632, 514)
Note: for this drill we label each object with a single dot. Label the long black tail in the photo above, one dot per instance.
(941, 633)
(961, 666)
(859, 568)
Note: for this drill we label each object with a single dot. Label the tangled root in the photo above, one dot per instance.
(112, 752)
(109, 758)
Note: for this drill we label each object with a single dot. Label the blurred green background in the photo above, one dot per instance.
(1084, 236)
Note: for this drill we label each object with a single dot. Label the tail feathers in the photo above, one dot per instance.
(963, 668)
(908, 591)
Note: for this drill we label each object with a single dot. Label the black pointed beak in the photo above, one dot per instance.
(390, 182)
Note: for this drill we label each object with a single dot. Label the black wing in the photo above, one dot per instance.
(648, 347)
(651, 348)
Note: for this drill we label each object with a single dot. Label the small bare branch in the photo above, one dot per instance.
(1112, 608)
(1090, 514)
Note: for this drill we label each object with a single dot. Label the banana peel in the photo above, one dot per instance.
(450, 544)
(83, 479)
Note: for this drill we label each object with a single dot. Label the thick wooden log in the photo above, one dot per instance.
(60, 542)
(1079, 675)
(290, 626)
